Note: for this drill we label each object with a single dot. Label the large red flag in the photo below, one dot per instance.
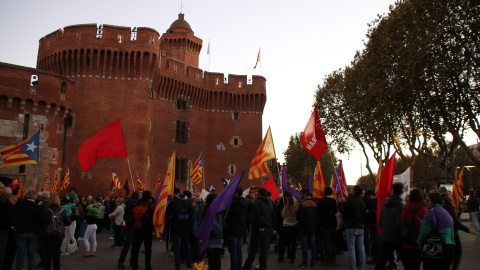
(385, 186)
(108, 142)
(271, 187)
(313, 137)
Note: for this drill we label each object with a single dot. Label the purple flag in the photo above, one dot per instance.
(307, 184)
(285, 186)
(336, 185)
(220, 203)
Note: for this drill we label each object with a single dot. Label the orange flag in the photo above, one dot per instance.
(319, 182)
(167, 190)
(265, 152)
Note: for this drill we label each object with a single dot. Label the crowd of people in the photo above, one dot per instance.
(322, 228)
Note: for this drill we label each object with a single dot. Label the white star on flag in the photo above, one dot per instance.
(31, 146)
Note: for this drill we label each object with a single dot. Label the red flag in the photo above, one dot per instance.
(108, 142)
(313, 137)
(271, 187)
(385, 186)
(15, 183)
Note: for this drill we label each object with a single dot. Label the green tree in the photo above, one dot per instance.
(300, 164)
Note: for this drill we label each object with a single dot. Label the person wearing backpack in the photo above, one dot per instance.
(180, 214)
(411, 218)
(129, 229)
(143, 216)
(215, 240)
(53, 218)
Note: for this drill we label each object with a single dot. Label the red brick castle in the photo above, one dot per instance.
(89, 75)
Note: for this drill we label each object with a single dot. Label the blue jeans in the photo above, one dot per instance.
(184, 237)
(235, 249)
(354, 239)
(305, 241)
(26, 243)
(475, 221)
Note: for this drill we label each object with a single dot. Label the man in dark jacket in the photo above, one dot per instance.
(7, 235)
(327, 208)
(371, 229)
(180, 214)
(391, 224)
(129, 230)
(473, 205)
(354, 215)
(262, 229)
(307, 227)
(27, 216)
(236, 218)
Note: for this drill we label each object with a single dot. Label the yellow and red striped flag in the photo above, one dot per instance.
(53, 187)
(265, 152)
(140, 184)
(46, 183)
(116, 181)
(165, 196)
(457, 194)
(66, 181)
(319, 182)
(333, 188)
(197, 170)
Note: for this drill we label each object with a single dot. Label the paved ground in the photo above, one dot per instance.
(107, 257)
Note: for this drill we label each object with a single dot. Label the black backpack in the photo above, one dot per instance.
(55, 228)
(409, 237)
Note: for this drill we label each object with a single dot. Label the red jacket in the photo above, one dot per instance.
(409, 212)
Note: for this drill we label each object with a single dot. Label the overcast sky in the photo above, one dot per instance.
(301, 41)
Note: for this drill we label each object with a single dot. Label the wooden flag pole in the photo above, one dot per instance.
(131, 177)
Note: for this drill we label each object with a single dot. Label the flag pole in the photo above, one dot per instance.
(131, 177)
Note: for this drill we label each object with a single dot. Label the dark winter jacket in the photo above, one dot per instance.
(180, 213)
(263, 214)
(236, 218)
(390, 219)
(473, 204)
(327, 208)
(27, 216)
(354, 213)
(307, 217)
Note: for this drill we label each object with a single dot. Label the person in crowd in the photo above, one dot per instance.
(143, 223)
(236, 218)
(27, 215)
(414, 210)
(437, 218)
(180, 214)
(307, 227)
(93, 210)
(53, 244)
(82, 227)
(129, 229)
(372, 237)
(327, 222)
(215, 240)
(261, 233)
(289, 227)
(101, 220)
(71, 210)
(194, 241)
(354, 217)
(457, 225)
(473, 205)
(249, 200)
(7, 234)
(72, 195)
(391, 227)
(118, 222)
(42, 200)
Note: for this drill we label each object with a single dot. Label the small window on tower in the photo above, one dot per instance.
(63, 88)
(175, 68)
(79, 36)
(181, 168)
(232, 169)
(216, 81)
(99, 31)
(181, 131)
(120, 38)
(236, 116)
(182, 104)
(133, 34)
(239, 84)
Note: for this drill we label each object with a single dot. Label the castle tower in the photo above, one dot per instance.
(180, 43)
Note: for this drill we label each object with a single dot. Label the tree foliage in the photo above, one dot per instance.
(417, 80)
(300, 164)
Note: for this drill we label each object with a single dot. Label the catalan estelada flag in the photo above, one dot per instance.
(318, 182)
(25, 152)
(163, 199)
(197, 170)
(46, 183)
(66, 181)
(265, 152)
(457, 194)
(115, 181)
(140, 184)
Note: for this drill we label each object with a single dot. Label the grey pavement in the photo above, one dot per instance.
(106, 257)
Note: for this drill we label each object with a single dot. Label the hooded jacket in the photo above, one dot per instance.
(390, 219)
(415, 212)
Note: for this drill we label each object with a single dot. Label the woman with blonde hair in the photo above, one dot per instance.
(53, 244)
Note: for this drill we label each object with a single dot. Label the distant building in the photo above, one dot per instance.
(89, 75)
